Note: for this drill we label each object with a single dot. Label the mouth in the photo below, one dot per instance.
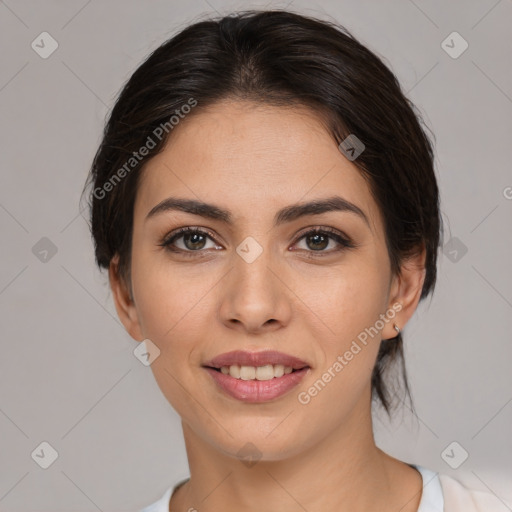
(256, 377)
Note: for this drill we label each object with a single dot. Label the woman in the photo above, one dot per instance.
(265, 202)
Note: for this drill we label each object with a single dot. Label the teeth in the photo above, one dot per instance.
(234, 371)
(278, 370)
(247, 372)
(266, 372)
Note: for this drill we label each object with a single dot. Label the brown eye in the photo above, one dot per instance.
(193, 240)
(318, 239)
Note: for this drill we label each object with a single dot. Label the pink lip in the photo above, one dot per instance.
(244, 358)
(257, 391)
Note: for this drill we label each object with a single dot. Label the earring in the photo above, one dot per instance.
(397, 329)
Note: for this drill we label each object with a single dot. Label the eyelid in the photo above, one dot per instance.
(176, 234)
(321, 229)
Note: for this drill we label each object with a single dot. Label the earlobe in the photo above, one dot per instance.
(405, 290)
(123, 301)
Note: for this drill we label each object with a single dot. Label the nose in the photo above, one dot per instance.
(254, 296)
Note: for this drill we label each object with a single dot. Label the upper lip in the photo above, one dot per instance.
(244, 358)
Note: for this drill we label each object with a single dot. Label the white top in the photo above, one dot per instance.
(431, 498)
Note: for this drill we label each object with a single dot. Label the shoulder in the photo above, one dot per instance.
(162, 505)
(458, 497)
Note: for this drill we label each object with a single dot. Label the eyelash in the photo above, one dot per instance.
(343, 241)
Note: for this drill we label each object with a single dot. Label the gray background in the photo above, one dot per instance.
(68, 373)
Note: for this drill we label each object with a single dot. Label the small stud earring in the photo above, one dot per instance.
(397, 329)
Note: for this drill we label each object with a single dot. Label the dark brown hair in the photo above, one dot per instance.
(284, 59)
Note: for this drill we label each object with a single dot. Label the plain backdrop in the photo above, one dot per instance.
(68, 375)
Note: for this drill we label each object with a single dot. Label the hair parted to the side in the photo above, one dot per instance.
(284, 59)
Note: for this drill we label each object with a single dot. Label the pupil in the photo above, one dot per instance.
(317, 237)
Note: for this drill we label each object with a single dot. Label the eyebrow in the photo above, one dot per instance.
(287, 214)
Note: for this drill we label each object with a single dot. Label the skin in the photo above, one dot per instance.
(253, 160)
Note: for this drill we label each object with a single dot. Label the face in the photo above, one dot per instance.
(262, 281)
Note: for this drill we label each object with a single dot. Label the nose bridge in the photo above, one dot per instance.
(253, 294)
(252, 261)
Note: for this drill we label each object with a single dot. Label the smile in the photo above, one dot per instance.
(254, 384)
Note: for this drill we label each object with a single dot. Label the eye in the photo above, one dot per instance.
(192, 239)
(318, 239)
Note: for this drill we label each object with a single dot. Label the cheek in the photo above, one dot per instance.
(347, 299)
(170, 301)
(172, 309)
(349, 303)
(348, 341)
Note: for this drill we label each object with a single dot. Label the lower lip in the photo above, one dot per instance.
(257, 391)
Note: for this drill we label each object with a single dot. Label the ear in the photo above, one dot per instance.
(405, 292)
(125, 305)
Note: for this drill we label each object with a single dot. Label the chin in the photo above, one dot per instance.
(265, 442)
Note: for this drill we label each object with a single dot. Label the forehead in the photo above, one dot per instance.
(252, 158)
